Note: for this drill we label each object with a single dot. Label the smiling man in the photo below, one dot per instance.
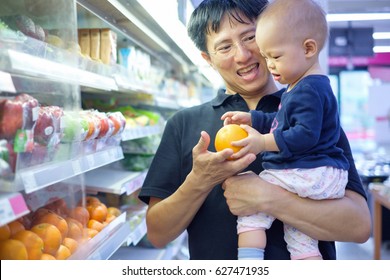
(191, 187)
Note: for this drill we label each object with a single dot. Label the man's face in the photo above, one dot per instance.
(243, 69)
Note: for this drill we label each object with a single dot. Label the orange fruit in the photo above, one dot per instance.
(80, 214)
(91, 232)
(75, 229)
(39, 213)
(62, 253)
(97, 212)
(110, 218)
(59, 206)
(71, 244)
(91, 200)
(34, 244)
(15, 226)
(54, 219)
(226, 135)
(48, 257)
(50, 235)
(93, 224)
(114, 211)
(12, 249)
(5, 232)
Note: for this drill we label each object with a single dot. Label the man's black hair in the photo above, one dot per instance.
(207, 17)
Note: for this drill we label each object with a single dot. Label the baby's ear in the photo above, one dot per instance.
(310, 46)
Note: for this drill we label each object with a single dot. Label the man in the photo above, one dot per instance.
(183, 185)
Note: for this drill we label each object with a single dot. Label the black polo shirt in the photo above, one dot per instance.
(212, 233)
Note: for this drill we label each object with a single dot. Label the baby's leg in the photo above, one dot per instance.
(300, 245)
(251, 235)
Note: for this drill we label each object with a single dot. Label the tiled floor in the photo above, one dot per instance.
(365, 251)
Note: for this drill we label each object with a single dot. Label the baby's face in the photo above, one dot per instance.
(283, 51)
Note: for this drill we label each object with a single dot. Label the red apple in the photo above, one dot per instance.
(11, 118)
(31, 109)
(44, 127)
(47, 127)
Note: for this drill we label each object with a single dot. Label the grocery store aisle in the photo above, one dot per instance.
(365, 251)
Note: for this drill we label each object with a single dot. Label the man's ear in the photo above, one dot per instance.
(206, 57)
(311, 48)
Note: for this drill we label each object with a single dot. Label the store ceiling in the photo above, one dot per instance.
(356, 6)
(362, 6)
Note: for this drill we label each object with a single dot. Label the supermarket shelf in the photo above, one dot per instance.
(131, 19)
(138, 229)
(120, 231)
(37, 177)
(141, 131)
(115, 181)
(143, 253)
(18, 59)
(106, 242)
(12, 207)
(39, 67)
(167, 103)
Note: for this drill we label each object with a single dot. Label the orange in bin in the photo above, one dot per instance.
(50, 235)
(56, 220)
(34, 244)
(5, 232)
(12, 249)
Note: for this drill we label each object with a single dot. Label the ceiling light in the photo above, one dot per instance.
(381, 49)
(357, 17)
(381, 35)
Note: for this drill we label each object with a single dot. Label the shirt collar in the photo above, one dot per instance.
(222, 96)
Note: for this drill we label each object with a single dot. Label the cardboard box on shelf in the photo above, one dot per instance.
(95, 43)
(108, 44)
(84, 41)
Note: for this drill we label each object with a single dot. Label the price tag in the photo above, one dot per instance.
(29, 182)
(139, 232)
(91, 161)
(6, 83)
(6, 211)
(76, 167)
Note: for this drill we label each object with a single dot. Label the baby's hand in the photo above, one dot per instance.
(236, 117)
(253, 143)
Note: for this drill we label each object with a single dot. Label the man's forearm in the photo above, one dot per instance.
(166, 219)
(346, 219)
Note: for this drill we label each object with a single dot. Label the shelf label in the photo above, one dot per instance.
(11, 208)
(139, 232)
(18, 205)
(29, 182)
(6, 83)
(76, 167)
(6, 211)
(91, 161)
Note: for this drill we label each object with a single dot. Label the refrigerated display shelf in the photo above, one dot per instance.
(132, 133)
(12, 207)
(115, 181)
(37, 177)
(106, 242)
(44, 68)
(138, 226)
(143, 253)
(74, 69)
